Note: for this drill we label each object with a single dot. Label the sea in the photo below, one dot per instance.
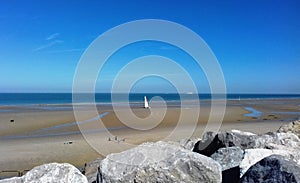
(106, 98)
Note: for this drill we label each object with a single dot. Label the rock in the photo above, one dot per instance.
(253, 156)
(274, 168)
(271, 139)
(158, 162)
(293, 127)
(244, 140)
(228, 157)
(53, 172)
(91, 170)
(211, 141)
(209, 144)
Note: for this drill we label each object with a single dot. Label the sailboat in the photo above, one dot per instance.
(146, 103)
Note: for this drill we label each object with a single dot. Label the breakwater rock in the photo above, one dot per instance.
(293, 127)
(273, 168)
(158, 162)
(50, 173)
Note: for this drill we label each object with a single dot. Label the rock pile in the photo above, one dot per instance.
(241, 155)
(239, 152)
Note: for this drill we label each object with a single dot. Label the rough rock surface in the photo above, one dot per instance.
(211, 142)
(272, 140)
(50, 173)
(158, 162)
(293, 127)
(273, 169)
(228, 157)
(256, 148)
(253, 156)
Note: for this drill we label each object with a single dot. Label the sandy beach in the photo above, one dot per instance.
(33, 136)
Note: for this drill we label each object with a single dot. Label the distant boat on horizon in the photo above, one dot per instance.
(146, 103)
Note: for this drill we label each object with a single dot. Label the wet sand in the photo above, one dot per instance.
(38, 136)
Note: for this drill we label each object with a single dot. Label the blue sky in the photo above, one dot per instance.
(257, 43)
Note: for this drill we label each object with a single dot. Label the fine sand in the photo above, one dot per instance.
(33, 136)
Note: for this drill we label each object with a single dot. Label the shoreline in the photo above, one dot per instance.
(175, 101)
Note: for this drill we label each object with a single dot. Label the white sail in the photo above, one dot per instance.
(146, 104)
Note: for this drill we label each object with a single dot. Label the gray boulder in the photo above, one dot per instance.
(53, 172)
(252, 156)
(293, 127)
(211, 141)
(275, 169)
(228, 157)
(209, 144)
(158, 162)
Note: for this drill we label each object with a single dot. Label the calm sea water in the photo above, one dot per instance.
(66, 98)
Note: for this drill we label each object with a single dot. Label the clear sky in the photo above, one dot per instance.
(257, 43)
